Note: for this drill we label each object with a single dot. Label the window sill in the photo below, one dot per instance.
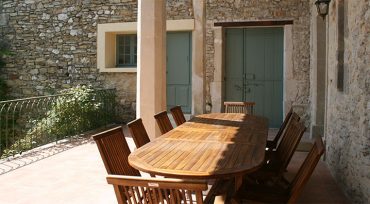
(125, 69)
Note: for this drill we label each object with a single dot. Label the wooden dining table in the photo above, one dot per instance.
(209, 146)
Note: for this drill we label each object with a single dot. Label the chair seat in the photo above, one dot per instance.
(270, 170)
(262, 193)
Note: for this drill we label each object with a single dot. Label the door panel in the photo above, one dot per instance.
(178, 70)
(182, 95)
(171, 95)
(234, 65)
(260, 54)
(254, 53)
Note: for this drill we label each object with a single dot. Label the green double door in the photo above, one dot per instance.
(254, 70)
(179, 70)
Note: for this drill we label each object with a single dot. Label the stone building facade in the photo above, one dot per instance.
(347, 131)
(296, 75)
(55, 45)
(62, 36)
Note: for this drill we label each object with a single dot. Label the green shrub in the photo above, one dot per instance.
(76, 111)
(73, 113)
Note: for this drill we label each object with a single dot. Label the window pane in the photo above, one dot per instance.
(127, 60)
(127, 40)
(126, 50)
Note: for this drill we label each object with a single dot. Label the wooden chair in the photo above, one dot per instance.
(271, 144)
(157, 190)
(239, 107)
(178, 115)
(138, 132)
(163, 122)
(277, 161)
(287, 193)
(114, 151)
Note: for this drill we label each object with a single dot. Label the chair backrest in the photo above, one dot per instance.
(138, 132)
(239, 107)
(290, 116)
(157, 190)
(163, 122)
(178, 115)
(291, 138)
(114, 151)
(306, 169)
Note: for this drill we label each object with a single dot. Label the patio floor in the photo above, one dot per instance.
(77, 176)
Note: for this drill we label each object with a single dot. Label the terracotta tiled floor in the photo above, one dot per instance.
(77, 176)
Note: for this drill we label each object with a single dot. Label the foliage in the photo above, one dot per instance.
(4, 51)
(77, 110)
(74, 112)
(3, 90)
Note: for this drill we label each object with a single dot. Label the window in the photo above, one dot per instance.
(117, 44)
(126, 50)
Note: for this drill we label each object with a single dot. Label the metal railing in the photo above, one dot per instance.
(31, 122)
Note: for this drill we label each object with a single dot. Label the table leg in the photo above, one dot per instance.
(219, 191)
(223, 191)
(238, 182)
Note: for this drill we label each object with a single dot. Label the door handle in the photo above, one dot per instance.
(250, 76)
(254, 84)
(239, 88)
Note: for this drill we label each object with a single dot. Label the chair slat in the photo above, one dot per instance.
(239, 107)
(138, 132)
(291, 138)
(178, 115)
(199, 197)
(290, 116)
(159, 189)
(127, 194)
(163, 122)
(183, 194)
(153, 193)
(189, 196)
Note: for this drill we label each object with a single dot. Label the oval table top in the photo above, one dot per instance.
(208, 146)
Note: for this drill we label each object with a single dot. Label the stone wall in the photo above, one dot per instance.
(348, 111)
(254, 10)
(179, 9)
(54, 44)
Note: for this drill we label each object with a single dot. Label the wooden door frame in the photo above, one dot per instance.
(218, 84)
